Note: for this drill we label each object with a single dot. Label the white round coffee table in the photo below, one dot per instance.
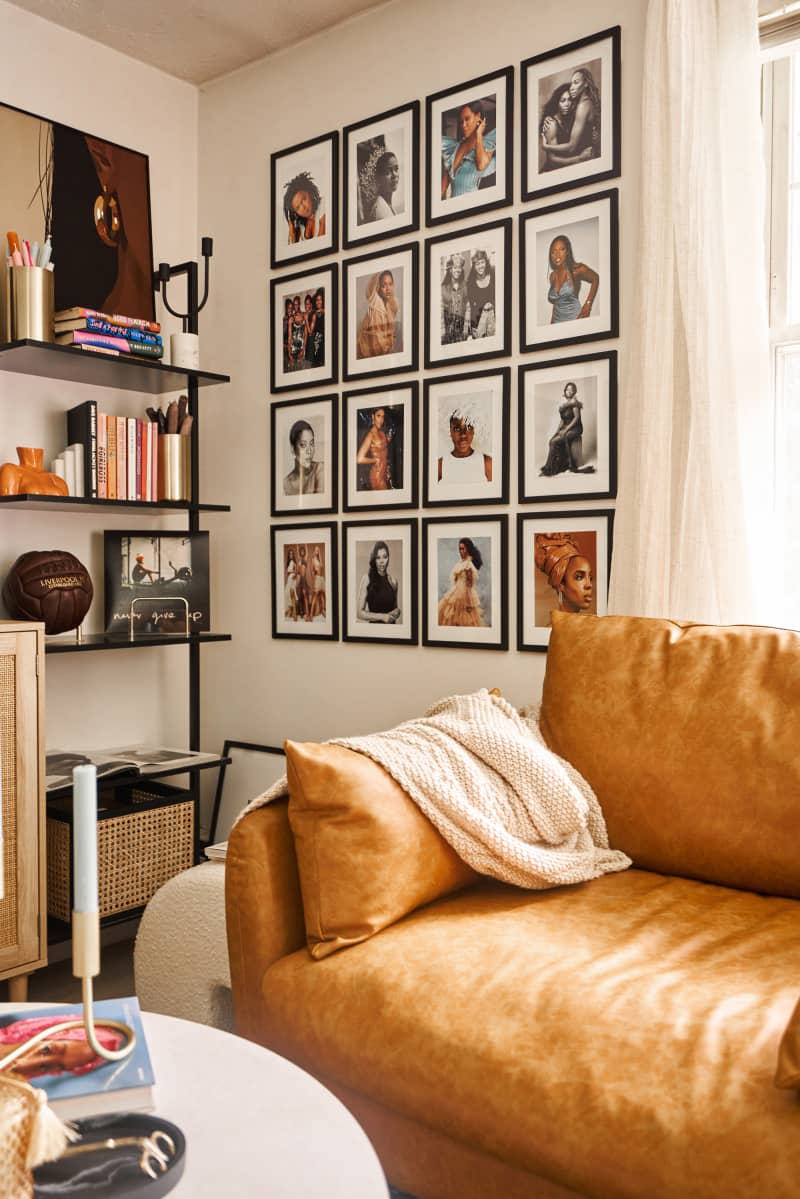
(254, 1123)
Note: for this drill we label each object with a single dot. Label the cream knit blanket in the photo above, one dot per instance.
(482, 774)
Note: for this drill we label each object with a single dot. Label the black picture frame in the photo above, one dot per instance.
(555, 471)
(448, 341)
(591, 532)
(440, 539)
(395, 131)
(319, 158)
(283, 376)
(243, 781)
(401, 425)
(468, 395)
(400, 538)
(307, 537)
(156, 583)
(590, 225)
(322, 414)
(495, 92)
(364, 321)
(544, 79)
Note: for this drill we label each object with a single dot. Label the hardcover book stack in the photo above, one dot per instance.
(97, 332)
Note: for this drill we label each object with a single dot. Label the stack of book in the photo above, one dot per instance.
(118, 454)
(87, 329)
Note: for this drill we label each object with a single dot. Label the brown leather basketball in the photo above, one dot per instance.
(48, 585)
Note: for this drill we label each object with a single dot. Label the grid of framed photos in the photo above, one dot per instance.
(445, 439)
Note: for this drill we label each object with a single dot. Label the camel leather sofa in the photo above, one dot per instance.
(617, 1039)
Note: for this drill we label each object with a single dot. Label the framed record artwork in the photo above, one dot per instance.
(381, 176)
(156, 584)
(304, 189)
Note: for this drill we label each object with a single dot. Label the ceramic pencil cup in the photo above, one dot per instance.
(174, 466)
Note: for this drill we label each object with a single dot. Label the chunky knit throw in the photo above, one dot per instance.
(482, 774)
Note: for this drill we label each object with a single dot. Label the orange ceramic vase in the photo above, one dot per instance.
(28, 478)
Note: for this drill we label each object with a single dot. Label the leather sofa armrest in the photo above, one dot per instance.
(263, 907)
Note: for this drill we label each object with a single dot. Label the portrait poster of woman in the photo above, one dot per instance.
(563, 564)
(379, 447)
(304, 455)
(305, 583)
(465, 582)
(568, 429)
(381, 176)
(304, 188)
(303, 329)
(465, 439)
(380, 313)
(569, 267)
(469, 136)
(379, 573)
(571, 115)
(467, 294)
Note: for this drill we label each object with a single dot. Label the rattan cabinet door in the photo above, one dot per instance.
(22, 880)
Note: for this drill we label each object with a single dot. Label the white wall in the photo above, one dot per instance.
(256, 688)
(98, 699)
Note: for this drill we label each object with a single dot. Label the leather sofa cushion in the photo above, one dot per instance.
(366, 855)
(690, 736)
(617, 1037)
(788, 1072)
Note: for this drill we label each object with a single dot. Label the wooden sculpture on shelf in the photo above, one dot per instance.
(29, 477)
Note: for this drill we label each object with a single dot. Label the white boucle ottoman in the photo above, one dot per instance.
(181, 956)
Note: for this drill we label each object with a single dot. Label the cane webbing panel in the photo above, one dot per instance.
(8, 773)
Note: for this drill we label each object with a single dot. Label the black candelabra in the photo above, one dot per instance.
(194, 304)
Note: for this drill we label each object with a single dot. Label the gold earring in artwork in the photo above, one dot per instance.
(107, 219)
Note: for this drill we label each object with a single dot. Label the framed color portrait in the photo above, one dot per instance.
(469, 136)
(381, 317)
(569, 269)
(571, 115)
(468, 294)
(568, 429)
(305, 581)
(381, 176)
(303, 455)
(465, 439)
(563, 564)
(379, 447)
(379, 572)
(465, 582)
(156, 584)
(304, 189)
(304, 328)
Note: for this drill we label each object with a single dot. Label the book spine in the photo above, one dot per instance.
(95, 325)
(82, 430)
(122, 458)
(139, 463)
(147, 470)
(154, 462)
(102, 456)
(131, 464)
(111, 469)
(134, 322)
(84, 337)
(143, 350)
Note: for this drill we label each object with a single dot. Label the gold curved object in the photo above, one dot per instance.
(88, 1024)
(107, 218)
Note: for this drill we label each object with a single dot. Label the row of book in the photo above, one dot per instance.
(119, 454)
(101, 333)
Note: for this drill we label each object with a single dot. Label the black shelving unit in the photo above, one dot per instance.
(129, 373)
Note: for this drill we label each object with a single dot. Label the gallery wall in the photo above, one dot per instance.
(98, 700)
(259, 688)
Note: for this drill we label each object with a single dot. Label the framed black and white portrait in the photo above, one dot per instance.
(381, 176)
(468, 294)
(305, 581)
(304, 188)
(303, 455)
(465, 439)
(571, 115)
(303, 329)
(465, 582)
(563, 564)
(469, 139)
(379, 580)
(381, 313)
(379, 447)
(569, 266)
(567, 429)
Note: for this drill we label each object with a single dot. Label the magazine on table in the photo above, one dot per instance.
(78, 1082)
(129, 761)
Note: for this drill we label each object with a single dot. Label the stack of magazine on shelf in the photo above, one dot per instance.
(76, 1081)
(128, 762)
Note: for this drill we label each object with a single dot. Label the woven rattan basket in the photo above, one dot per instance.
(137, 852)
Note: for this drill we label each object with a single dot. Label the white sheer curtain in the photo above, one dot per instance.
(694, 523)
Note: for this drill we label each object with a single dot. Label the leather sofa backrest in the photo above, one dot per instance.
(690, 736)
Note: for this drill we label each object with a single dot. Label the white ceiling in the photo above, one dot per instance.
(196, 40)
